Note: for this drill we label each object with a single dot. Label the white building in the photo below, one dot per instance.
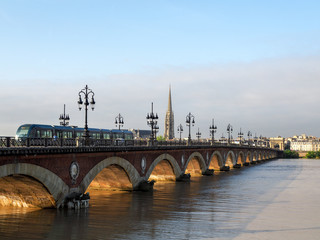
(304, 143)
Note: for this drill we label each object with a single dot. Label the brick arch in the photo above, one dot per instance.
(131, 171)
(233, 159)
(199, 158)
(249, 157)
(173, 162)
(216, 161)
(255, 156)
(54, 184)
(242, 158)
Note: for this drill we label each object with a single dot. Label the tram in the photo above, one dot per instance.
(53, 132)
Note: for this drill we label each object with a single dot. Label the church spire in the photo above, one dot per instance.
(169, 121)
(169, 100)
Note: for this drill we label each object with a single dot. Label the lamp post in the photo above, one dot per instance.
(189, 121)
(119, 121)
(240, 135)
(86, 92)
(152, 120)
(64, 118)
(213, 130)
(255, 139)
(229, 130)
(180, 130)
(198, 134)
(249, 137)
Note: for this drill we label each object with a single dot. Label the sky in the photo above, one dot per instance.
(252, 64)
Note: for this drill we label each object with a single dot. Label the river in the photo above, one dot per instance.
(273, 200)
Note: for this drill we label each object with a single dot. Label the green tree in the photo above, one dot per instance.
(311, 154)
(290, 154)
(160, 138)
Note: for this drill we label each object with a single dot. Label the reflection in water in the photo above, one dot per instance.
(218, 206)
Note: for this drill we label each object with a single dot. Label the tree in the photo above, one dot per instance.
(290, 154)
(160, 138)
(311, 154)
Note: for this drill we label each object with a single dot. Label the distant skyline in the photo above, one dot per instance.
(252, 64)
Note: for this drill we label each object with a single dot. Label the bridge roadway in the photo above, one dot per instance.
(60, 176)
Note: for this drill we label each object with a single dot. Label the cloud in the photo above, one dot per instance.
(271, 97)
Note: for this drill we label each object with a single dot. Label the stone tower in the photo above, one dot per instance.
(169, 122)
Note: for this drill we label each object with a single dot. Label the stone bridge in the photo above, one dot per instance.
(56, 177)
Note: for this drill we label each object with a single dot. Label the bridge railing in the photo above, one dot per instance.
(11, 142)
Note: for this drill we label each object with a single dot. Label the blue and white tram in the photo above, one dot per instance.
(40, 131)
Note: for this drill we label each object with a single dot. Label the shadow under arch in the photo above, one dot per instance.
(167, 161)
(54, 184)
(216, 161)
(131, 171)
(240, 159)
(230, 160)
(248, 157)
(195, 164)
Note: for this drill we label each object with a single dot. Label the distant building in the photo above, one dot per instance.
(304, 143)
(277, 142)
(169, 121)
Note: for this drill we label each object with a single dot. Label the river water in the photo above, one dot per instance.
(273, 200)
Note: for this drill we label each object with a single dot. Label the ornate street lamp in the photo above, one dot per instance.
(119, 121)
(229, 130)
(198, 134)
(152, 121)
(255, 139)
(240, 135)
(64, 118)
(86, 92)
(213, 130)
(249, 137)
(189, 121)
(180, 130)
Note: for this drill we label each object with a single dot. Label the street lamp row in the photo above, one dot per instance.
(152, 121)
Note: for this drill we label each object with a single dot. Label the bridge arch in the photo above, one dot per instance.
(195, 164)
(255, 156)
(169, 161)
(248, 157)
(54, 184)
(240, 158)
(230, 159)
(130, 170)
(216, 161)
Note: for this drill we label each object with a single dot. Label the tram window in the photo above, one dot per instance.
(106, 136)
(38, 133)
(67, 134)
(46, 134)
(93, 135)
(78, 134)
(128, 137)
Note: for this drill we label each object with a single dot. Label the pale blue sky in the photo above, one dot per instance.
(57, 47)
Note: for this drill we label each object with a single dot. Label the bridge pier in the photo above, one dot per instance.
(208, 172)
(246, 164)
(237, 165)
(76, 201)
(184, 177)
(145, 186)
(225, 168)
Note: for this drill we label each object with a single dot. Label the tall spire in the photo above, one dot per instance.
(169, 121)
(169, 100)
